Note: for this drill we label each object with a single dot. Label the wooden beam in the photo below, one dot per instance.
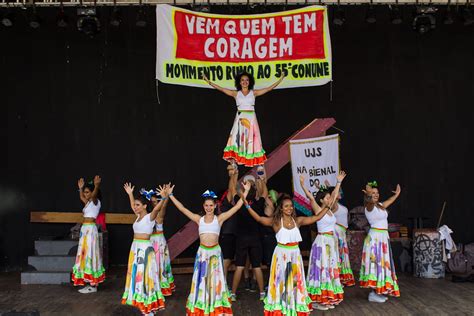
(277, 159)
(76, 217)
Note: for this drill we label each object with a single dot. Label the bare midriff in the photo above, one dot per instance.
(208, 239)
(141, 236)
(89, 220)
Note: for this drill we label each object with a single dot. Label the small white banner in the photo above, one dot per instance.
(316, 158)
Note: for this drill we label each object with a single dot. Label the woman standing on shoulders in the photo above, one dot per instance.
(209, 294)
(244, 145)
(88, 267)
(377, 270)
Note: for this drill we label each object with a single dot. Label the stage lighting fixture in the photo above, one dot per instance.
(88, 23)
(448, 17)
(7, 18)
(35, 20)
(61, 19)
(425, 19)
(370, 15)
(395, 15)
(467, 15)
(339, 15)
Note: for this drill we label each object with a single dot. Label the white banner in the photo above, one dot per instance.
(318, 160)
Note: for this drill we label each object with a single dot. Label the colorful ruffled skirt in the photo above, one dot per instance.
(209, 294)
(377, 269)
(287, 293)
(324, 285)
(142, 288)
(244, 144)
(164, 264)
(345, 272)
(88, 267)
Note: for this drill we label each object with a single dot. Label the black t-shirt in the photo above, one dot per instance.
(228, 227)
(245, 224)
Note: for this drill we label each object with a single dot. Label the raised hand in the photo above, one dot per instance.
(170, 189)
(80, 183)
(397, 190)
(302, 177)
(128, 188)
(97, 180)
(162, 190)
(326, 183)
(341, 176)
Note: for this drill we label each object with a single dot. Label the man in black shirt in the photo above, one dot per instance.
(248, 242)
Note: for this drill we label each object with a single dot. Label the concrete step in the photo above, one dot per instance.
(45, 277)
(55, 247)
(52, 263)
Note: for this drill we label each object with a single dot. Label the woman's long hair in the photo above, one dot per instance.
(279, 209)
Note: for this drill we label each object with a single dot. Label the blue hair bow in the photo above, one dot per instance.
(209, 194)
(147, 194)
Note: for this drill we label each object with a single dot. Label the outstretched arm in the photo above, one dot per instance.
(260, 92)
(368, 201)
(265, 221)
(129, 189)
(226, 215)
(230, 93)
(194, 217)
(165, 195)
(316, 208)
(233, 179)
(393, 198)
(97, 181)
(308, 220)
(335, 192)
(80, 185)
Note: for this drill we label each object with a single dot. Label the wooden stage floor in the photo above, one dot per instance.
(418, 297)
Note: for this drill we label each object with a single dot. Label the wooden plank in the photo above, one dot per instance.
(277, 159)
(76, 217)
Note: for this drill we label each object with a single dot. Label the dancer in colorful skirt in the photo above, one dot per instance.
(142, 287)
(324, 285)
(286, 294)
(340, 211)
(162, 253)
(377, 270)
(244, 145)
(209, 293)
(88, 267)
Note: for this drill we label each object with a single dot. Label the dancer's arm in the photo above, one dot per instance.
(165, 195)
(226, 215)
(94, 194)
(368, 201)
(308, 220)
(80, 185)
(194, 217)
(230, 93)
(393, 198)
(316, 208)
(265, 221)
(129, 189)
(159, 207)
(233, 179)
(260, 92)
(335, 192)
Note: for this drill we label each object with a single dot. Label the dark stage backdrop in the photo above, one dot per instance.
(73, 107)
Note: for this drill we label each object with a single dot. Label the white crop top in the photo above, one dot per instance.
(377, 218)
(286, 236)
(158, 227)
(341, 215)
(145, 226)
(91, 210)
(209, 228)
(326, 224)
(245, 102)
